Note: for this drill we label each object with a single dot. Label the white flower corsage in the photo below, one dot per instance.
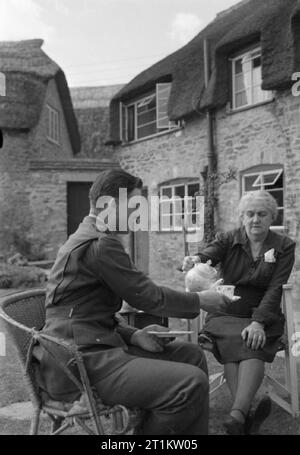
(269, 256)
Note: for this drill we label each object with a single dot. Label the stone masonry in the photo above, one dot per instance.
(265, 134)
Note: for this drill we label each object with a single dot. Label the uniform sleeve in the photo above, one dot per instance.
(125, 330)
(216, 250)
(116, 270)
(267, 311)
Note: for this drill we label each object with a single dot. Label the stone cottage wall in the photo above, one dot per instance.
(33, 214)
(48, 205)
(268, 134)
(265, 134)
(17, 230)
(175, 155)
(15, 215)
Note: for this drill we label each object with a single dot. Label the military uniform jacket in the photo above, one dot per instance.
(91, 276)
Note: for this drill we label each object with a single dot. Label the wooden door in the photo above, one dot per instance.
(78, 204)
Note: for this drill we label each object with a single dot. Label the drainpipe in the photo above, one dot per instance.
(211, 157)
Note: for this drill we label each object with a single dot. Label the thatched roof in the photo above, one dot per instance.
(93, 97)
(273, 23)
(92, 111)
(28, 69)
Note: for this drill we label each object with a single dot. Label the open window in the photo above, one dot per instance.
(247, 80)
(268, 178)
(147, 116)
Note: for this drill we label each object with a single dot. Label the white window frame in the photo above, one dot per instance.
(53, 124)
(248, 56)
(262, 186)
(140, 102)
(171, 186)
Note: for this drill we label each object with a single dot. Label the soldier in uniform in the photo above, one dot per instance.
(91, 276)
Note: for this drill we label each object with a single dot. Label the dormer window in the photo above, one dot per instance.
(147, 116)
(53, 126)
(247, 80)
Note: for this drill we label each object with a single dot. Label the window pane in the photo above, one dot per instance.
(179, 191)
(257, 62)
(166, 207)
(147, 117)
(147, 130)
(269, 179)
(248, 182)
(240, 99)
(279, 220)
(148, 102)
(56, 127)
(178, 222)
(167, 192)
(279, 182)
(278, 195)
(239, 83)
(247, 65)
(193, 188)
(166, 222)
(238, 66)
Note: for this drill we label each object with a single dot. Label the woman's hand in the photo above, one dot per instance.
(152, 343)
(254, 336)
(213, 302)
(189, 262)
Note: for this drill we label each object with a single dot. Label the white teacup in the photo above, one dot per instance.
(226, 290)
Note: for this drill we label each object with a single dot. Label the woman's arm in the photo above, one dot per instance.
(267, 311)
(216, 250)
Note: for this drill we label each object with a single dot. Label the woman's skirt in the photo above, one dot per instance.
(229, 346)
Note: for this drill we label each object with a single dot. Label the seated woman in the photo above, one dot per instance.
(258, 262)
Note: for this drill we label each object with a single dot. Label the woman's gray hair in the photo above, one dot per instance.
(263, 196)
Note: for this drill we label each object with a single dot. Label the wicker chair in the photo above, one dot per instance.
(23, 314)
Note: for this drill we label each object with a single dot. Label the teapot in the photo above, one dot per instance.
(201, 277)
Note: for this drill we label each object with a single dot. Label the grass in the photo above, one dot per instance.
(12, 391)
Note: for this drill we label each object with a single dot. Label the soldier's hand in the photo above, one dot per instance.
(150, 342)
(189, 262)
(212, 302)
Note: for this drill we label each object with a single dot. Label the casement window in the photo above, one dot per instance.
(2, 84)
(53, 125)
(247, 80)
(178, 205)
(270, 180)
(146, 116)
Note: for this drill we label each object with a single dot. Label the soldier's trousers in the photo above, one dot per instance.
(171, 386)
